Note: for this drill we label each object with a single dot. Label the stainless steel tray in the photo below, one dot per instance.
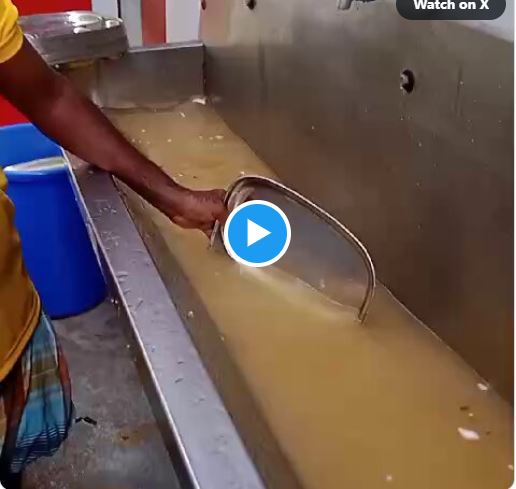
(323, 252)
(75, 36)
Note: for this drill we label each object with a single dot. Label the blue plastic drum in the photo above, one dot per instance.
(56, 246)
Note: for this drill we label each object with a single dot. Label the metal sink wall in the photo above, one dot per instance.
(424, 179)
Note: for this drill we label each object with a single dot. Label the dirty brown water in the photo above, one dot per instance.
(385, 404)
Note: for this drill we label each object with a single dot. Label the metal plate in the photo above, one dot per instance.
(323, 252)
(75, 36)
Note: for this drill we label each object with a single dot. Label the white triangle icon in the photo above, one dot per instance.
(255, 232)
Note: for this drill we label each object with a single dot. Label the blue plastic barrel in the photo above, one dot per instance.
(58, 252)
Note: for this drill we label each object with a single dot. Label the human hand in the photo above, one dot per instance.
(199, 209)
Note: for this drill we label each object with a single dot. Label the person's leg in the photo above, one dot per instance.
(37, 404)
(13, 396)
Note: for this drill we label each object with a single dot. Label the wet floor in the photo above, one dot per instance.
(119, 447)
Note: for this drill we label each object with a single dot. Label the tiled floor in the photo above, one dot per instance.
(124, 449)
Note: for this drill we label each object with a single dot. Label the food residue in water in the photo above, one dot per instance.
(389, 478)
(306, 362)
(483, 387)
(182, 114)
(190, 314)
(199, 100)
(469, 435)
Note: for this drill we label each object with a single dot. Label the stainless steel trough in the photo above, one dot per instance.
(424, 178)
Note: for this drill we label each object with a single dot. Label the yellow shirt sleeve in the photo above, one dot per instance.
(11, 36)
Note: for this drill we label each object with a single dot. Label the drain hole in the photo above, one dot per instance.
(407, 81)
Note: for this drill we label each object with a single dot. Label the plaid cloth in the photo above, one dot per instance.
(36, 408)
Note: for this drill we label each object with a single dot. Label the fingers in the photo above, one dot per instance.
(202, 210)
(222, 217)
(185, 223)
(223, 213)
(206, 228)
(220, 194)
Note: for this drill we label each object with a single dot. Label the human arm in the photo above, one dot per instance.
(51, 102)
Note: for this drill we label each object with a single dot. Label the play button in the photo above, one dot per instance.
(257, 233)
